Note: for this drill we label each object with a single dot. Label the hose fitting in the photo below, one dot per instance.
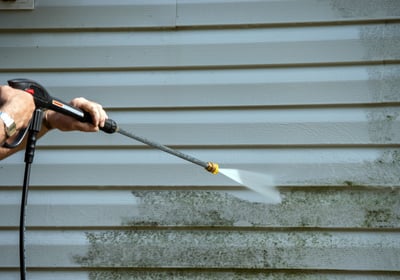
(212, 167)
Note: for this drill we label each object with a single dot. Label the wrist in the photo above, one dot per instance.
(10, 128)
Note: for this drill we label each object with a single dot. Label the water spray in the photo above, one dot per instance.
(260, 183)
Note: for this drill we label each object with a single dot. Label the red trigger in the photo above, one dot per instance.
(30, 90)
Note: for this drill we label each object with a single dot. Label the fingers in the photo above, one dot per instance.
(67, 123)
(96, 111)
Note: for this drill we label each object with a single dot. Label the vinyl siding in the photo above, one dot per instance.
(306, 91)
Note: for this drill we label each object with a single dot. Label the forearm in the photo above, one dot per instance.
(3, 135)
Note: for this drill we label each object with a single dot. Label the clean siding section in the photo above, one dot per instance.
(307, 91)
(205, 48)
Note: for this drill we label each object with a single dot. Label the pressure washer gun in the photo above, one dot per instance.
(45, 101)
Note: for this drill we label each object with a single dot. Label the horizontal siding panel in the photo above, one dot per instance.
(163, 13)
(301, 86)
(126, 167)
(39, 274)
(363, 209)
(200, 48)
(344, 126)
(46, 275)
(362, 251)
(234, 12)
(58, 14)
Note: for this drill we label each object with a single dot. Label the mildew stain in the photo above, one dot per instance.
(365, 9)
(384, 171)
(378, 218)
(121, 274)
(183, 208)
(312, 208)
(186, 247)
(383, 125)
(201, 249)
(382, 42)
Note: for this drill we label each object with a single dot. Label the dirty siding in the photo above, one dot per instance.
(306, 91)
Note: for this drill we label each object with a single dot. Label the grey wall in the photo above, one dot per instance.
(305, 91)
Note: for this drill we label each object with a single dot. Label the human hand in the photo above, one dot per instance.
(66, 123)
(18, 104)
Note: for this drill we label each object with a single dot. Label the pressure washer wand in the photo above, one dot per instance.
(44, 100)
(209, 166)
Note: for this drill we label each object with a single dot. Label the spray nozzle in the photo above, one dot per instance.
(212, 167)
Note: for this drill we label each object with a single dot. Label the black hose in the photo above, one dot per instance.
(22, 220)
(34, 129)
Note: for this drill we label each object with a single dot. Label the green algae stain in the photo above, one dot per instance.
(171, 236)
(379, 218)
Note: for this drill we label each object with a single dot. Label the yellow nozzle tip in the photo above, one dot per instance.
(213, 167)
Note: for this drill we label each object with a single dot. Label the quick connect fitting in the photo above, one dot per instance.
(212, 167)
